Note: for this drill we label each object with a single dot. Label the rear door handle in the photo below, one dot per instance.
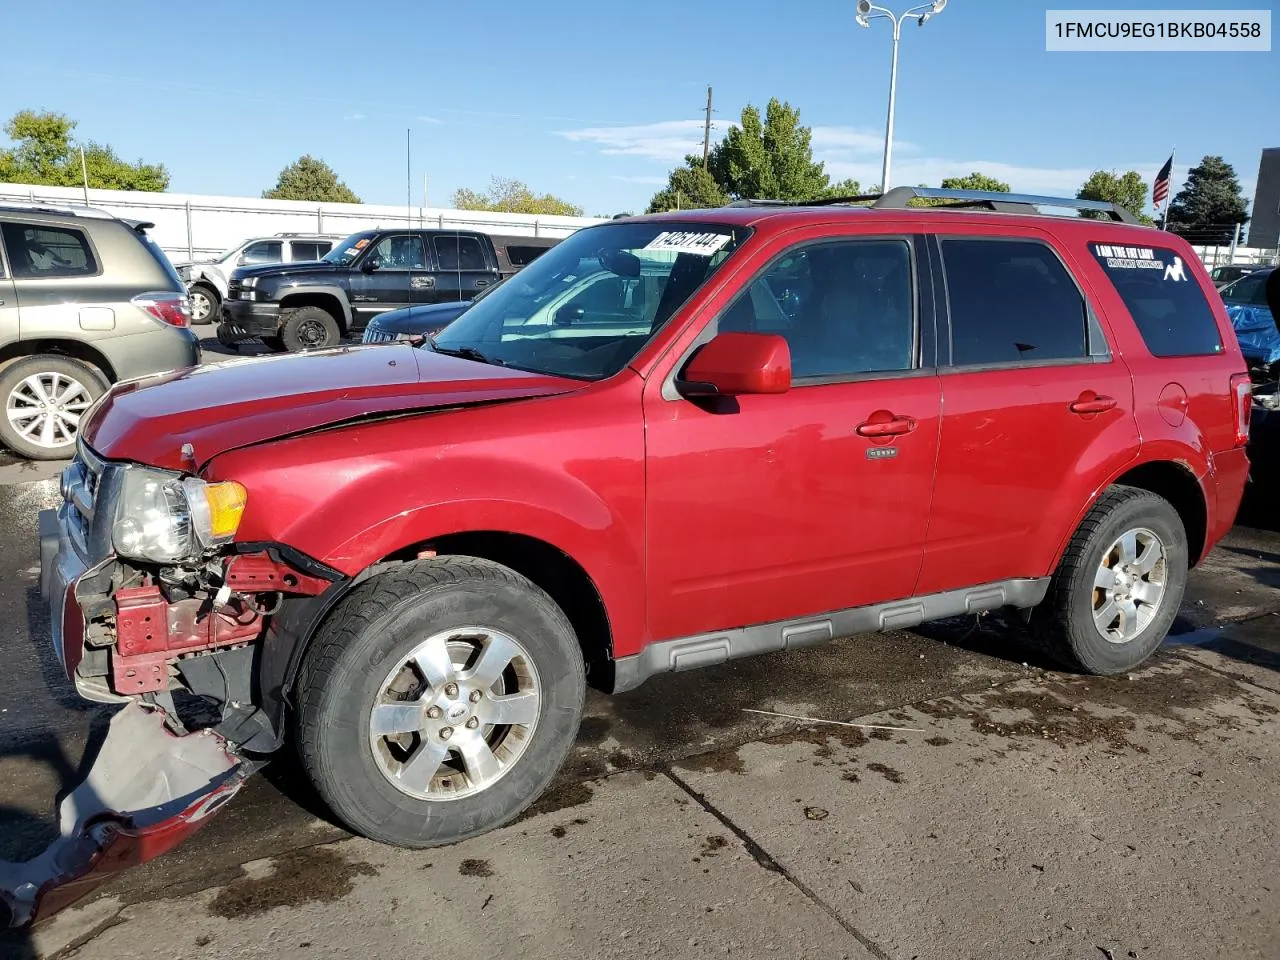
(886, 428)
(1090, 402)
(482, 283)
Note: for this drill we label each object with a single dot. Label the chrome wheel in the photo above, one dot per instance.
(201, 306)
(1129, 585)
(45, 408)
(456, 714)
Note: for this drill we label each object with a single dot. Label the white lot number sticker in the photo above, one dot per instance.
(1140, 258)
(703, 244)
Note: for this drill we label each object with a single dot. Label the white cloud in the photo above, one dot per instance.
(667, 141)
(423, 118)
(834, 142)
(648, 181)
(354, 116)
(1053, 181)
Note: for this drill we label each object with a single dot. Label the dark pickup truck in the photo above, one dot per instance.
(307, 306)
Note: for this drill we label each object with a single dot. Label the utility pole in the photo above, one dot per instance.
(706, 132)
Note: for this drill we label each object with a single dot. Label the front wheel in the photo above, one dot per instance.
(204, 304)
(308, 328)
(44, 398)
(1119, 585)
(438, 700)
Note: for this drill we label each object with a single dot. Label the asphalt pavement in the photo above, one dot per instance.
(1016, 811)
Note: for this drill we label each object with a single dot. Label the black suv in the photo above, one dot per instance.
(307, 306)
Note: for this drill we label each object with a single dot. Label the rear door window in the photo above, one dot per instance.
(43, 252)
(303, 250)
(1251, 290)
(1162, 295)
(460, 253)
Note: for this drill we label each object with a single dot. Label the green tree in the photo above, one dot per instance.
(1209, 205)
(309, 178)
(976, 181)
(769, 158)
(691, 187)
(1127, 190)
(848, 187)
(45, 153)
(514, 196)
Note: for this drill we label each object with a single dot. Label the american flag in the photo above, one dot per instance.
(1160, 189)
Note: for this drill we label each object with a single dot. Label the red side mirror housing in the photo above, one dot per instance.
(733, 364)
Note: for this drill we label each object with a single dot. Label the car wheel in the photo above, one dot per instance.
(44, 399)
(1119, 585)
(438, 700)
(204, 304)
(308, 328)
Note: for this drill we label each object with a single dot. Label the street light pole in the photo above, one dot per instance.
(868, 11)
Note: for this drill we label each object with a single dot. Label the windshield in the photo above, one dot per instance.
(345, 252)
(587, 306)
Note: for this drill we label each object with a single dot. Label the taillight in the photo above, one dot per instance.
(1242, 397)
(171, 308)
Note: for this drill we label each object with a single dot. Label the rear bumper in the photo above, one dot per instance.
(245, 319)
(142, 354)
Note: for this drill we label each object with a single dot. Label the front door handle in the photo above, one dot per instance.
(1090, 402)
(482, 283)
(893, 427)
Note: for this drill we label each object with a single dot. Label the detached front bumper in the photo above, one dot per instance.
(247, 319)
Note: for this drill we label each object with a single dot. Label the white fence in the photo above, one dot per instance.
(192, 226)
(1217, 256)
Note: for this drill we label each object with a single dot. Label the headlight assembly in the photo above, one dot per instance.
(167, 519)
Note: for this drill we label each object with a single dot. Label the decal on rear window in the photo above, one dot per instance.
(1141, 258)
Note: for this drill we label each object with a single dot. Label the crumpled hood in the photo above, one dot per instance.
(299, 267)
(222, 406)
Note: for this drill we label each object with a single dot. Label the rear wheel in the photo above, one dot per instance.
(308, 328)
(204, 304)
(44, 398)
(1118, 587)
(438, 700)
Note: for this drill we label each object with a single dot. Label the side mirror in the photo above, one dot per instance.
(733, 364)
(369, 265)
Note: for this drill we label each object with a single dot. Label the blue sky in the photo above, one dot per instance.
(596, 101)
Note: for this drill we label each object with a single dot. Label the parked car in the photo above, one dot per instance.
(423, 320)
(633, 460)
(312, 306)
(1228, 272)
(207, 279)
(1253, 321)
(86, 299)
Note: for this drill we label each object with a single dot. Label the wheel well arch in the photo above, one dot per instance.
(207, 284)
(74, 349)
(328, 302)
(549, 568)
(1179, 486)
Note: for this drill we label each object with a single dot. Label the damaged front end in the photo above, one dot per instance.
(147, 791)
(150, 599)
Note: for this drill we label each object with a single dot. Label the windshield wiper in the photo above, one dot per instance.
(466, 353)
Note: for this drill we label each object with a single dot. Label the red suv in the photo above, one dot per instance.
(668, 442)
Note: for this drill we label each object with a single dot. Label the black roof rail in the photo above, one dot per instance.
(898, 198)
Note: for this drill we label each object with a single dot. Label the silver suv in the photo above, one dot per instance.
(86, 299)
(206, 280)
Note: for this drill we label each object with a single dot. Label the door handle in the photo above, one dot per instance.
(482, 283)
(886, 428)
(1090, 402)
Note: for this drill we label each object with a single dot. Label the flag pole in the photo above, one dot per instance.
(1168, 200)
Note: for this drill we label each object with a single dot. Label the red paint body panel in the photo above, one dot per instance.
(221, 406)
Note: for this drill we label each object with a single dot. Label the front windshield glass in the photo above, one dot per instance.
(588, 305)
(345, 252)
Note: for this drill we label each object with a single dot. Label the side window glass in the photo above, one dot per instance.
(302, 251)
(459, 253)
(47, 252)
(1012, 301)
(845, 308)
(400, 253)
(264, 251)
(1166, 303)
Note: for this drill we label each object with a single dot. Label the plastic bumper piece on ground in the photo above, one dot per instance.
(147, 791)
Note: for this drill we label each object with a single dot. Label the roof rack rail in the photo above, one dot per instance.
(898, 198)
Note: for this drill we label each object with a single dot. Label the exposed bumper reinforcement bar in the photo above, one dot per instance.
(147, 791)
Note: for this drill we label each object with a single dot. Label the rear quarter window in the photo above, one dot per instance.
(1162, 295)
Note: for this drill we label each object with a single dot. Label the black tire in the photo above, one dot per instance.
(211, 298)
(368, 634)
(273, 343)
(14, 396)
(1063, 625)
(308, 328)
(226, 339)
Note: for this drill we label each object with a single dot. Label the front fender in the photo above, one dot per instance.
(337, 294)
